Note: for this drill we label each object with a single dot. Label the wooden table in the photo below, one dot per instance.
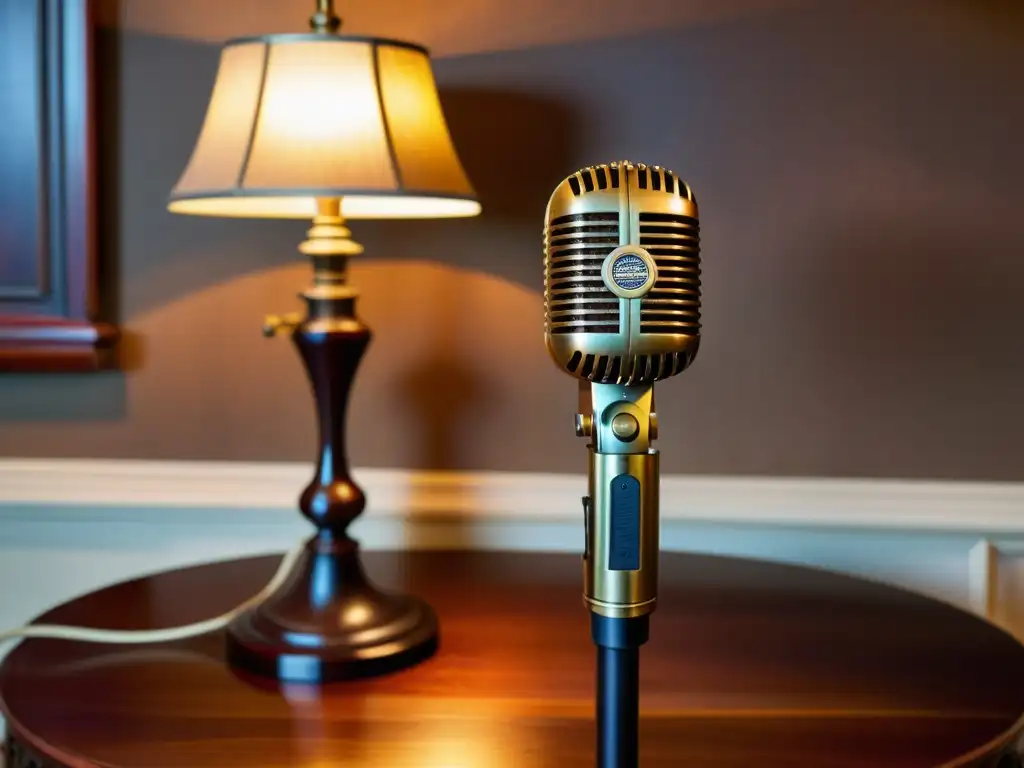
(750, 664)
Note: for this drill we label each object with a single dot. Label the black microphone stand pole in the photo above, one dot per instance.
(618, 644)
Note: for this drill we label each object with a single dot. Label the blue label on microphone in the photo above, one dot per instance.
(630, 272)
(624, 525)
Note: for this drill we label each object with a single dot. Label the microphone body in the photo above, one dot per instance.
(621, 311)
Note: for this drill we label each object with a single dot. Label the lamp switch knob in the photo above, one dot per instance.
(275, 324)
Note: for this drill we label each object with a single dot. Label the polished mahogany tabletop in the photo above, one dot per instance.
(750, 664)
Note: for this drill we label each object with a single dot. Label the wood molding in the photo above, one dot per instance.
(241, 490)
(49, 314)
(54, 345)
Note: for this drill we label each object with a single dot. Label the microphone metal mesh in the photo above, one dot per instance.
(590, 331)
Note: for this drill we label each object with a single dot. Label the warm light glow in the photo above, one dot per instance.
(367, 207)
(419, 134)
(320, 123)
(293, 118)
(220, 151)
(407, 207)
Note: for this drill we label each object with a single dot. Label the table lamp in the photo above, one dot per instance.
(328, 127)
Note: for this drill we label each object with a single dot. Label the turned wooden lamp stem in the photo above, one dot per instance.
(328, 621)
(331, 341)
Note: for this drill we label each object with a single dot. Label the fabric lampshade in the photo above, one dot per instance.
(297, 117)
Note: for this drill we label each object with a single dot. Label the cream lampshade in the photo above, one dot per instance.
(297, 117)
(326, 127)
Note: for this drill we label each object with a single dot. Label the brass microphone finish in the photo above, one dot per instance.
(642, 323)
(622, 311)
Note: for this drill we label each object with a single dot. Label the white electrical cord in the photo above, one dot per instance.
(133, 637)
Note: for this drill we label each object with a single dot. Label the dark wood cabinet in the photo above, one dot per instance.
(49, 314)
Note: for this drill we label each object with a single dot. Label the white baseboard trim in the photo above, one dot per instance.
(70, 525)
(238, 490)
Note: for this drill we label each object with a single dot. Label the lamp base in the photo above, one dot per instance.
(327, 622)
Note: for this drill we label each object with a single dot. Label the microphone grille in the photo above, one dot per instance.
(658, 179)
(605, 176)
(610, 176)
(576, 298)
(591, 214)
(673, 304)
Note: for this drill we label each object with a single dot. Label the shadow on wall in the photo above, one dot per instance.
(516, 147)
(513, 146)
(440, 391)
(44, 398)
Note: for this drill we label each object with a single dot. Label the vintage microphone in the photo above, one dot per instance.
(622, 311)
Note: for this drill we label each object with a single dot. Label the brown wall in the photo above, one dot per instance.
(859, 168)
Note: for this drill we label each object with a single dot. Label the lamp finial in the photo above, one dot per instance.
(325, 19)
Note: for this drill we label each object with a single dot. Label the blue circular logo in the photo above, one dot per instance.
(630, 272)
